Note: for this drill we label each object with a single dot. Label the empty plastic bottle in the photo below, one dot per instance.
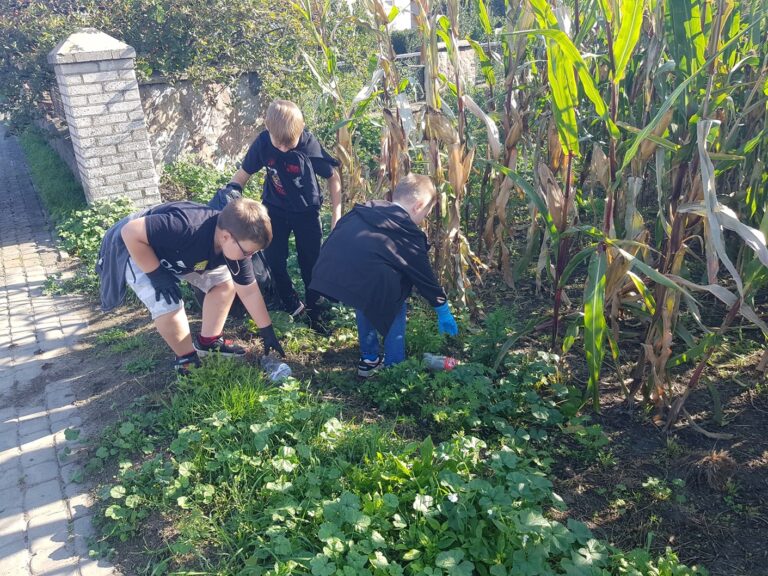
(275, 368)
(436, 362)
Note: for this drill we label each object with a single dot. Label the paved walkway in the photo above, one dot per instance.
(45, 519)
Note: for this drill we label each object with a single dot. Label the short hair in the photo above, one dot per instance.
(285, 122)
(246, 219)
(414, 187)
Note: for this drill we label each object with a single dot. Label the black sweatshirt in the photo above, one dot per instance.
(372, 260)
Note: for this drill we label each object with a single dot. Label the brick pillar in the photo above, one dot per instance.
(100, 94)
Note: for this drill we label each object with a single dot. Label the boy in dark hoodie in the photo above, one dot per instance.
(292, 158)
(372, 260)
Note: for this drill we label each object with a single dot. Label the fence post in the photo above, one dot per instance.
(100, 95)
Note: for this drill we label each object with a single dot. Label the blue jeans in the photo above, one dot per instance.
(394, 342)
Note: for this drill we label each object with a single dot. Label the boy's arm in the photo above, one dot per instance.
(253, 301)
(134, 235)
(165, 283)
(334, 191)
(423, 277)
(250, 296)
(240, 177)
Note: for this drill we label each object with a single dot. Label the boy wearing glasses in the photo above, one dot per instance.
(152, 251)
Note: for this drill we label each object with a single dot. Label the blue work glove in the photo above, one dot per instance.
(446, 323)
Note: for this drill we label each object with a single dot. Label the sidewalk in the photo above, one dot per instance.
(45, 519)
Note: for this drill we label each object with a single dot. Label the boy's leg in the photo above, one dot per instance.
(219, 292)
(308, 231)
(277, 258)
(367, 336)
(219, 295)
(394, 342)
(174, 328)
(169, 319)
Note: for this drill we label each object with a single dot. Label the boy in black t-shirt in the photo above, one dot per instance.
(292, 158)
(152, 251)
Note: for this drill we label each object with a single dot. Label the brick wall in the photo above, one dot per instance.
(100, 97)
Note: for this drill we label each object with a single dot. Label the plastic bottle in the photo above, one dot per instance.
(275, 368)
(436, 362)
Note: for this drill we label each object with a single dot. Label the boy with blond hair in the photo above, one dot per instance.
(292, 158)
(372, 260)
(153, 250)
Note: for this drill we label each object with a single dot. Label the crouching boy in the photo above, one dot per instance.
(372, 260)
(153, 250)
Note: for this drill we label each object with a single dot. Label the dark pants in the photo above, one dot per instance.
(308, 232)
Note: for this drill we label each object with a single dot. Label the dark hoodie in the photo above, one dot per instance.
(372, 260)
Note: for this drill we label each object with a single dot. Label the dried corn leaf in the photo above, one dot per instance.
(494, 143)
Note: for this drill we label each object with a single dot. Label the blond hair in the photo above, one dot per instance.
(246, 219)
(414, 187)
(285, 123)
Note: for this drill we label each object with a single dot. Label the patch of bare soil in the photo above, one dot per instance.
(706, 499)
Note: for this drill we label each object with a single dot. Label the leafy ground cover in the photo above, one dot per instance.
(413, 473)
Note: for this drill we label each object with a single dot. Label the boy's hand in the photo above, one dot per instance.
(446, 323)
(270, 341)
(166, 284)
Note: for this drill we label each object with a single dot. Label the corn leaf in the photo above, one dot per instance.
(574, 262)
(485, 21)
(632, 151)
(532, 195)
(629, 34)
(595, 326)
(572, 55)
(713, 232)
(494, 143)
(486, 66)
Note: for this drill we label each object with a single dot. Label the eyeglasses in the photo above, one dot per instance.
(245, 254)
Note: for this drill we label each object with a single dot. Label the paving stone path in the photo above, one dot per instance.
(45, 518)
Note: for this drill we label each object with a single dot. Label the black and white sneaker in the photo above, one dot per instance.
(299, 310)
(224, 347)
(366, 368)
(183, 364)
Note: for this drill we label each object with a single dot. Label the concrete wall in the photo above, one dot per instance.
(214, 123)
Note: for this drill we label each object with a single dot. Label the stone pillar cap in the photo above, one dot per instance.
(89, 45)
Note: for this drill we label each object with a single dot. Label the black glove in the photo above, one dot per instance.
(225, 195)
(166, 284)
(270, 341)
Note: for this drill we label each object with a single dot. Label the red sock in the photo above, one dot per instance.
(207, 340)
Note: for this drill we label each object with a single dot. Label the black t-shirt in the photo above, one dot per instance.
(181, 234)
(290, 182)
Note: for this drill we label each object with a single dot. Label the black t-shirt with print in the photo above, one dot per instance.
(291, 179)
(181, 234)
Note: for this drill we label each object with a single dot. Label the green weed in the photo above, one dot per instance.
(140, 366)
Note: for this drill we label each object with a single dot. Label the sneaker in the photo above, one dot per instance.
(366, 368)
(183, 364)
(299, 310)
(224, 347)
(317, 323)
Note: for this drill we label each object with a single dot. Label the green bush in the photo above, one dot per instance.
(81, 234)
(189, 180)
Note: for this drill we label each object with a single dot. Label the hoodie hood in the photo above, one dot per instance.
(389, 217)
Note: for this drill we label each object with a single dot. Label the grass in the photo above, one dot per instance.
(60, 192)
